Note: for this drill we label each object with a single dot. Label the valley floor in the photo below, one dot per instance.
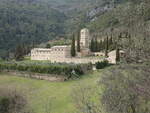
(41, 93)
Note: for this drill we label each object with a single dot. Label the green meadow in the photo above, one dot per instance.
(42, 95)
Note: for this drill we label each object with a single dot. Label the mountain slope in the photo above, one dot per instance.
(28, 23)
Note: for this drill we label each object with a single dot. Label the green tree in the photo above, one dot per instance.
(101, 45)
(111, 44)
(92, 45)
(117, 54)
(128, 91)
(104, 44)
(73, 50)
(12, 101)
(19, 52)
(96, 45)
(28, 24)
(78, 41)
(111, 40)
(106, 47)
(48, 45)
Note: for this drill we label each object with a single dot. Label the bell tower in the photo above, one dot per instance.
(84, 38)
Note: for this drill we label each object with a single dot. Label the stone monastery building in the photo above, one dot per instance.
(61, 53)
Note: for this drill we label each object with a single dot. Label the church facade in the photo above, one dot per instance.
(60, 53)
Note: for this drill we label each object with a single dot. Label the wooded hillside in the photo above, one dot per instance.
(36, 21)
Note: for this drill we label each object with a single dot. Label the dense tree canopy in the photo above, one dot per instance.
(28, 23)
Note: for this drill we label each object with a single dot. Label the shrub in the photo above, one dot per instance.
(12, 102)
(101, 65)
(85, 98)
(122, 89)
(46, 67)
(126, 89)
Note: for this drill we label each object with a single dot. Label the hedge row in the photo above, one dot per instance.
(47, 68)
(103, 64)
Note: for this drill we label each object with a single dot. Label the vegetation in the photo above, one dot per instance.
(117, 54)
(123, 88)
(37, 21)
(84, 98)
(47, 68)
(126, 19)
(126, 89)
(78, 41)
(43, 96)
(106, 47)
(48, 46)
(56, 42)
(27, 22)
(12, 101)
(73, 47)
(19, 52)
(102, 45)
(102, 64)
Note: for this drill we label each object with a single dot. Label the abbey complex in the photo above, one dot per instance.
(62, 53)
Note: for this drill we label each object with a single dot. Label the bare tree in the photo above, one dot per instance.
(12, 101)
(82, 96)
(48, 105)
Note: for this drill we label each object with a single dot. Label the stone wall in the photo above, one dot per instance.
(84, 60)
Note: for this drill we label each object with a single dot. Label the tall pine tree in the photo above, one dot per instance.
(78, 41)
(111, 44)
(19, 52)
(106, 47)
(96, 45)
(101, 45)
(117, 48)
(73, 50)
(92, 45)
(117, 54)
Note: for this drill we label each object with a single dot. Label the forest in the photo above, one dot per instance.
(36, 21)
(28, 23)
(114, 24)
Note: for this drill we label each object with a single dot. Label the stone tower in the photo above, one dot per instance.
(84, 38)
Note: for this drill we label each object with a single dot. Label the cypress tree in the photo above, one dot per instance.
(117, 54)
(111, 40)
(120, 36)
(117, 48)
(106, 47)
(96, 45)
(48, 45)
(92, 45)
(78, 41)
(73, 50)
(111, 45)
(104, 44)
(101, 46)
(28, 49)
(19, 53)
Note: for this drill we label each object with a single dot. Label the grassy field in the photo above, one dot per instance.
(40, 93)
